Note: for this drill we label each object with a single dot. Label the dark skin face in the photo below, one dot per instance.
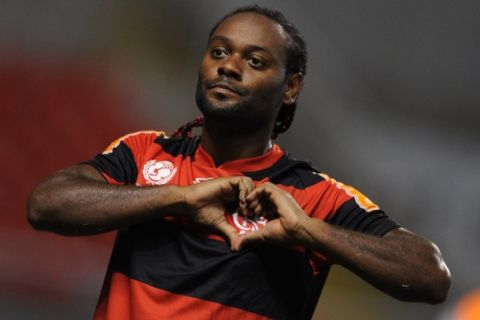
(242, 85)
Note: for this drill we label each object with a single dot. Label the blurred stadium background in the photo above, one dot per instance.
(391, 106)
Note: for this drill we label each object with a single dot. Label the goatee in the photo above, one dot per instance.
(243, 115)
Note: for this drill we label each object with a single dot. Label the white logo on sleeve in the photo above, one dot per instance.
(158, 172)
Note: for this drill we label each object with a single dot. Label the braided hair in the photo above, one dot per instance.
(186, 129)
(296, 63)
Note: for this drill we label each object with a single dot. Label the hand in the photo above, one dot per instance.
(286, 228)
(206, 203)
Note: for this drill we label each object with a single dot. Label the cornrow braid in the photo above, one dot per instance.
(186, 129)
(284, 119)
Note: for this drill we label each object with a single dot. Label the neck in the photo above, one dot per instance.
(224, 144)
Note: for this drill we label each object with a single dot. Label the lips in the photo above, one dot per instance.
(224, 85)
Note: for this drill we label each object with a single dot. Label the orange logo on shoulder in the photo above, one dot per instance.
(362, 201)
(115, 143)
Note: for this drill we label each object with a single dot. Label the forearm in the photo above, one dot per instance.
(71, 204)
(401, 264)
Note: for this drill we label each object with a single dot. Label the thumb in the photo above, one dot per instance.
(248, 238)
(230, 232)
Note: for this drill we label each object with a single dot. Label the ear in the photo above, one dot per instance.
(294, 84)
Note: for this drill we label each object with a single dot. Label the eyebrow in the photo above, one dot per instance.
(250, 47)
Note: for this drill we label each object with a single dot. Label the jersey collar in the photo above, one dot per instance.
(261, 162)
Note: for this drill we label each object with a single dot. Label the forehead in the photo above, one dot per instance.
(252, 29)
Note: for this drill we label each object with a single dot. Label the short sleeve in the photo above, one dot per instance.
(346, 207)
(118, 163)
(351, 216)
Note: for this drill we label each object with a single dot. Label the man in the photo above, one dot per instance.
(227, 225)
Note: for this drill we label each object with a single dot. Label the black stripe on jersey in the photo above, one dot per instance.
(118, 164)
(264, 279)
(289, 172)
(351, 216)
(176, 146)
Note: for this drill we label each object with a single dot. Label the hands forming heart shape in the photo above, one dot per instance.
(206, 202)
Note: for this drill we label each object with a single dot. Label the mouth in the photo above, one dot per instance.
(222, 86)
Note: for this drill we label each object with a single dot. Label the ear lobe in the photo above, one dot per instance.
(294, 85)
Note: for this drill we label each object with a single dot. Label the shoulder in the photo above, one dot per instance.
(290, 172)
(178, 146)
(142, 141)
(360, 199)
(298, 174)
(136, 138)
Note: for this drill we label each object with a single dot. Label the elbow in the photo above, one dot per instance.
(439, 278)
(439, 291)
(429, 277)
(37, 215)
(442, 293)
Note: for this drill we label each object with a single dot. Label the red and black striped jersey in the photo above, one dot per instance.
(165, 270)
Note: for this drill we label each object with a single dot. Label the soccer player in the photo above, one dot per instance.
(227, 225)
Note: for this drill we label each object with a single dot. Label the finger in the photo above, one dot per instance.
(230, 232)
(258, 209)
(242, 194)
(243, 191)
(248, 239)
(250, 185)
(262, 191)
(269, 195)
(259, 200)
(254, 207)
(252, 202)
(253, 195)
(246, 187)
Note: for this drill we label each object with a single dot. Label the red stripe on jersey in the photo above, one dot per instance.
(320, 200)
(324, 199)
(138, 142)
(245, 165)
(109, 179)
(131, 299)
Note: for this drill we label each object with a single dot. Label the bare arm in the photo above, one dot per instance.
(400, 263)
(78, 201)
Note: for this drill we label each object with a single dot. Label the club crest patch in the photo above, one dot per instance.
(158, 172)
(244, 224)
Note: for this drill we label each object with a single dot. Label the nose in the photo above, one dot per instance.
(230, 67)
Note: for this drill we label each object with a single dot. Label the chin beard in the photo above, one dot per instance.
(246, 115)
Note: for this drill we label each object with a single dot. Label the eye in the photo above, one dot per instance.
(255, 62)
(218, 53)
